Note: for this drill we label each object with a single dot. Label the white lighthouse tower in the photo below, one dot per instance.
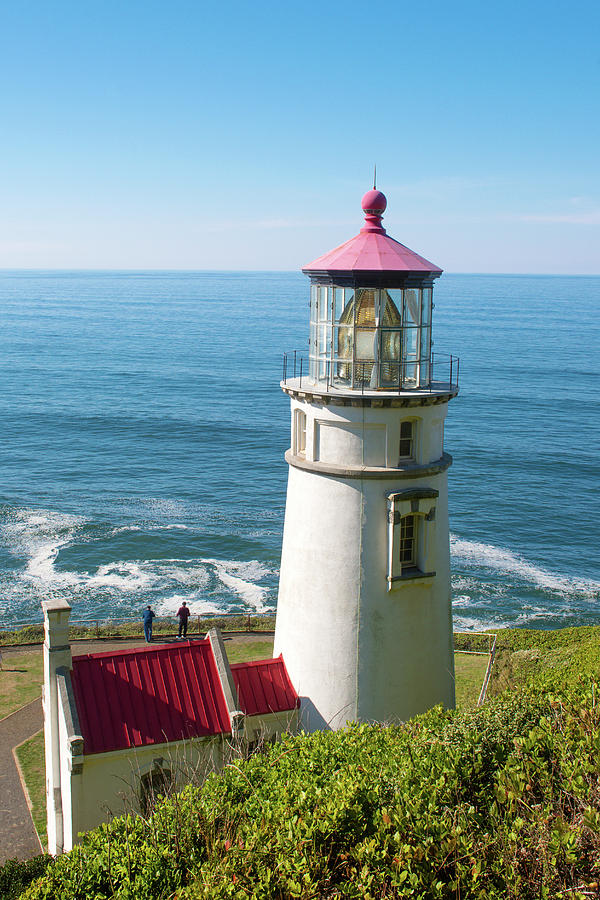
(364, 617)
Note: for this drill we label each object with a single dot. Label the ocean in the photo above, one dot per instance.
(143, 432)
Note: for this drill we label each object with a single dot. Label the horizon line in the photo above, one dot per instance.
(5, 269)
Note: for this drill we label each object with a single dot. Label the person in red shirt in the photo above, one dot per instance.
(183, 615)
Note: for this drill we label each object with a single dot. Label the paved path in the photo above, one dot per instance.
(17, 834)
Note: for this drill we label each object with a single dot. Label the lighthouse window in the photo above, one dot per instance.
(407, 544)
(411, 518)
(407, 440)
(300, 433)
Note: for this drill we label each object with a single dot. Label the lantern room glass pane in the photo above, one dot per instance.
(396, 296)
(426, 306)
(365, 343)
(323, 304)
(314, 293)
(412, 307)
(344, 341)
(341, 297)
(364, 307)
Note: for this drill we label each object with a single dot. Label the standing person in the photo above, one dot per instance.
(147, 616)
(183, 615)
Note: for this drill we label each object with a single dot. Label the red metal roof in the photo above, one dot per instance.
(372, 250)
(264, 686)
(131, 698)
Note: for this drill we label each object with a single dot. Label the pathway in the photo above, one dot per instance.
(17, 834)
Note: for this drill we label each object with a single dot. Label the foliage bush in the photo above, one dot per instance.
(16, 875)
(499, 802)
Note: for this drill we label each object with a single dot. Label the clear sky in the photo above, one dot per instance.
(242, 135)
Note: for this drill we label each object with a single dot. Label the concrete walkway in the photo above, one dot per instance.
(18, 837)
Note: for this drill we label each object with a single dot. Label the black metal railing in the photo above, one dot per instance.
(442, 373)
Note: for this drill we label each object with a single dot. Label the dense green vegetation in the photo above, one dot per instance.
(501, 801)
(16, 875)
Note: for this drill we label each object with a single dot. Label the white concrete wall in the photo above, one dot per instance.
(353, 649)
(368, 436)
(109, 783)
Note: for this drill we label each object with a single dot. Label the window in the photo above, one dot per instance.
(299, 433)
(407, 439)
(411, 518)
(156, 783)
(407, 542)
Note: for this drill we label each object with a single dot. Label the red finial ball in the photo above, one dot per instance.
(374, 202)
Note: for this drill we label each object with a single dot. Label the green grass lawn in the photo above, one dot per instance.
(31, 759)
(469, 670)
(243, 651)
(20, 679)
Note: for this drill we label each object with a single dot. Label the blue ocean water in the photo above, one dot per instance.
(143, 433)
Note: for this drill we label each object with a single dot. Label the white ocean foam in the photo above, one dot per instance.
(39, 535)
(124, 576)
(124, 529)
(502, 560)
(467, 623)
(461, 602)
(169, 606)
(241, 577)
(143, 575)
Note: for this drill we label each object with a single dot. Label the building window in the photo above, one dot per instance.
(299, 433)
(156, 783)
(408, 541)
(411, 523)
(407, 439)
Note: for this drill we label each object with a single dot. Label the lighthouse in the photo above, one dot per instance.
(364, 618)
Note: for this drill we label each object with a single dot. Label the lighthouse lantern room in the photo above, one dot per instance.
(364, 616)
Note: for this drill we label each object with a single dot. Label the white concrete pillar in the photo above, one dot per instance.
(57, 654)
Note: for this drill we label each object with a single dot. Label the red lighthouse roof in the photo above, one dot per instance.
(372, 250)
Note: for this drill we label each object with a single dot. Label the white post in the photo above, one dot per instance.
(57, 653)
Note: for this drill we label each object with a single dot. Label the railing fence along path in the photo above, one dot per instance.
(97, 624)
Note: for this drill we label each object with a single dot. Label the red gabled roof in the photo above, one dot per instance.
(264, 686)
(131, 698)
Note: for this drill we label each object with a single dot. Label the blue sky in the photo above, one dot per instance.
(243, 135)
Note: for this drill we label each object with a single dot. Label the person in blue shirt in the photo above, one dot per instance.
(147, 616)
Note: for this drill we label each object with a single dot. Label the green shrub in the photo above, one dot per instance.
(16, 875)
(497, 802)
